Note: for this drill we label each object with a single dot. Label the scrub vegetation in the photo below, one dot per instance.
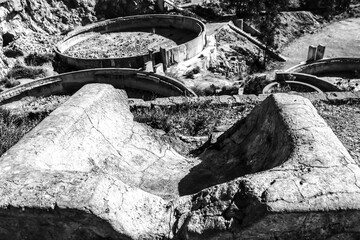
(14, 126)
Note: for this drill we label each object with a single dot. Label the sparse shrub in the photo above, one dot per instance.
(13, 53)
(13, 127)
(190, 119)
(255, 84)
(190, 73)
(210, 11)
(196, 124)
(205, 90)
(19, 71)
(155, 118)
(9, 83)
(36, 59)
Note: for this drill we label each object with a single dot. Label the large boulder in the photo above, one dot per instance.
(88, 171)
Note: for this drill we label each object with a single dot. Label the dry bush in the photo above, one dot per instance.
(13, 127)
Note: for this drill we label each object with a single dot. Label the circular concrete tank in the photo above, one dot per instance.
(137, 83)
(133, 42)
(324, 74)
(325, 66)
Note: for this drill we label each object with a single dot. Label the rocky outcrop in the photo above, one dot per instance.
(88, 171)
(36, 26)
(21, 17)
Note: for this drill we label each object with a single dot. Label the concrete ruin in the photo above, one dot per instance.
(142, 23)
(130, 79)
(328, 65)
(310, 72)
(89, 171)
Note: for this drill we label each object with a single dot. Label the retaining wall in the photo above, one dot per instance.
(120, 78)
(171, 55)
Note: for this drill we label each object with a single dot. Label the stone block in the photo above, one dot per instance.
(320, 51)
(311, 54)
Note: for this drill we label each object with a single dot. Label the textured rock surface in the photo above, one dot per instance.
(79, 171)
(35, 26)
(303, 185)
(89, 172)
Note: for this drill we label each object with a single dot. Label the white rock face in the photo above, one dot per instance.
(88, 171)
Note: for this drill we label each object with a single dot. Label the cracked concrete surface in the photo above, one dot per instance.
(88, 171)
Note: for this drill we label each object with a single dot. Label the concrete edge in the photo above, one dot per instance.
(302, 67)
(312, 80)
(60, 84)
(238, 100)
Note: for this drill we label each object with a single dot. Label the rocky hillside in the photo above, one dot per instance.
(34, 26)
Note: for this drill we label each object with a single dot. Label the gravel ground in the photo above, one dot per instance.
(344, 120)
(124, 44)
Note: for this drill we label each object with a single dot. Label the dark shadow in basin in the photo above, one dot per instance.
(257, 143)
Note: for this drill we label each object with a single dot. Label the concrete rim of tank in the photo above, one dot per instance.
(306, 72)
(267, 88)
(326, 65)
(193, 47)
(67, 82)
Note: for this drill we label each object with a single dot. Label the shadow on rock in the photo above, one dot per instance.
(257, 143)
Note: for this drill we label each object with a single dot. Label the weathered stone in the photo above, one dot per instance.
(89, 157)
(89, 172)
(293, 179)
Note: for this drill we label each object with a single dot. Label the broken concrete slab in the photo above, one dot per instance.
(89, 171)
(294, 179)
(95, 130)
(90, 158)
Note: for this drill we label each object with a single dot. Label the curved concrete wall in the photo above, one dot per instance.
(308, 79)
(175, 54)
(119, 78)
(307, 72)
(269, 87)
(327, 66)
